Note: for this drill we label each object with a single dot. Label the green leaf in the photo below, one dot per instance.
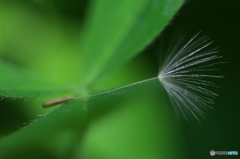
(118, 30)
(19, 82)
(53, 134)
(115, 31)
(112, 36)
(87, 128)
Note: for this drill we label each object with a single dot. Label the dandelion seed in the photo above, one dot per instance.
(185, 73)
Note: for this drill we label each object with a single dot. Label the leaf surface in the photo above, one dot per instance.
(19, 82)
(116, 31)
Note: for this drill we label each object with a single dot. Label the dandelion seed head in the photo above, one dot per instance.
(160, 77)
(186, 74)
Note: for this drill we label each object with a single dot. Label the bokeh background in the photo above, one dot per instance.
(220, 21)
(44, 35)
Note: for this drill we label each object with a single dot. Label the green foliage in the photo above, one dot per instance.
(116, 31)
(113, 32)
(19, 82)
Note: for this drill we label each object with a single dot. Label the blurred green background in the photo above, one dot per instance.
(44, 36)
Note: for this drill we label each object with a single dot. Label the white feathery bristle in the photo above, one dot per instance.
(186, 75)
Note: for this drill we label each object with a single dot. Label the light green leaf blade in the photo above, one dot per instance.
(19, 82)
(62, 132)
(118, 30)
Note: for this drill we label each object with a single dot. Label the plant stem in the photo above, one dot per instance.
(63, 100)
